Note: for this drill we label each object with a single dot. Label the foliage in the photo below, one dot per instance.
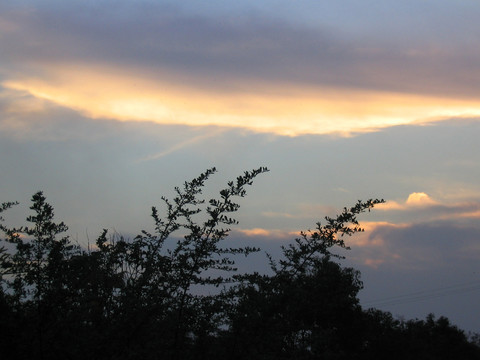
(175, 293)
(310, 302)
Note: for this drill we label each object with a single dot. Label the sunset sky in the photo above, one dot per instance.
(107, 105)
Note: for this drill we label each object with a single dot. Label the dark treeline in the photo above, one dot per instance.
(175, 293)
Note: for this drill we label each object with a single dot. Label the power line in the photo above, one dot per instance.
(425, 294)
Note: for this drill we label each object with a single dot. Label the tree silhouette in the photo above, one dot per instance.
(175, 293)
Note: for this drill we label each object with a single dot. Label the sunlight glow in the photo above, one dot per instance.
(272, 234)
(419, 199)
(415, 199)
(284, 109)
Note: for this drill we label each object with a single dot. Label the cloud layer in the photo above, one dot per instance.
(172, 65)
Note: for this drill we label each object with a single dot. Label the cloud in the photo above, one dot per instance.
(271, 234)
(420, 199)
(163, 64)
(26, 118)
(117, 94)
(410, 247)
(236, 46)
(421, 207)
(431, 233)
(414, 200)
(374, 263)
(434, 240)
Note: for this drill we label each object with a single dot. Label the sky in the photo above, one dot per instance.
(107, 105)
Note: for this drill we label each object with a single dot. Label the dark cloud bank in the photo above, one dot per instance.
(219, 52)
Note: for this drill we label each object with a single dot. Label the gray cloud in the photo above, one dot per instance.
(448, 238)
(424, 246)
(218, 52)
(439, 267)
(436, 261)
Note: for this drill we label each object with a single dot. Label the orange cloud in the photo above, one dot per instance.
(414, 200)
(470, 215)
(420, 199)
(15, 103)
(127, 94)
(255, 232)
(271, 233)
(438, 211)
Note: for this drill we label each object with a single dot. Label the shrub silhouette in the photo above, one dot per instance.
(139, 299)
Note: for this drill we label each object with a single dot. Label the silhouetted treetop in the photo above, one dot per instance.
(175, 292)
